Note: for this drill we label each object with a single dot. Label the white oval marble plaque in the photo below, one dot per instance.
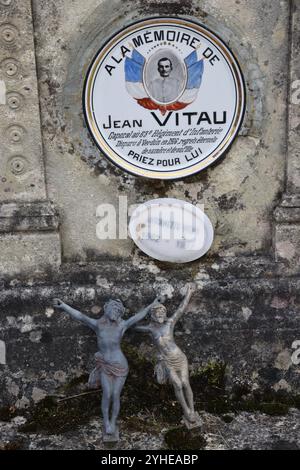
(164, 98)
(171, 230)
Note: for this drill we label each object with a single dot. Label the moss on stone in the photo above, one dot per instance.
(208, 384)
(211, 375)
(75, 382)
(142, 395)
(55, 417)
(227, 418)
(140, 424)
(273, 409)
(180, 438)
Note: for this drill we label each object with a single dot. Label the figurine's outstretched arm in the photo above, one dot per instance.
(76, 314)
(190, 288)
(144, 328)
(141, 314)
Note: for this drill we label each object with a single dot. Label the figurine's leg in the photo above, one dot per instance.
(116, 394)
(189, 396)
(187, 390)
(106, 384)
(177, 384)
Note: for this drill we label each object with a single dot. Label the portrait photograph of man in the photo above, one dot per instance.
(165, 77)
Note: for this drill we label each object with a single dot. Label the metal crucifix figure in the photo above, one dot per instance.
(172, 363)
(111, 365)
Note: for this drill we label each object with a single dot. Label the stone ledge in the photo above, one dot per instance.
(285, 214)
(290, 200)
(28, 217)
(119, 271)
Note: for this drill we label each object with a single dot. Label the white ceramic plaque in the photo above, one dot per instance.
(164, 98)
(171, 230)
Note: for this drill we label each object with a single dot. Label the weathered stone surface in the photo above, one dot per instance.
(21, 160)
(293, 165)
(287, 240)
(287, 215)
(245, 431)
(241, 333)
(29, 252)
(28, 217)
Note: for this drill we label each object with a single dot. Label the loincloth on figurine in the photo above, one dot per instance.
(175, 362)
(112, 369)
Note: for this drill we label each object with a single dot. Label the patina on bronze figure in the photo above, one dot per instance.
(111, 365)
(172, 363)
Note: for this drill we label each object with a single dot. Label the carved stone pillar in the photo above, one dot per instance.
(287, 215)
(29, 238)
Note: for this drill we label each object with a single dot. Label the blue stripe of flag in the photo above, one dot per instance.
(134, 67)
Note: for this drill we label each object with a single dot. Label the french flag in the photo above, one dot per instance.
(134, 82)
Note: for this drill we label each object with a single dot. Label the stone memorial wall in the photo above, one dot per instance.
(242, 330)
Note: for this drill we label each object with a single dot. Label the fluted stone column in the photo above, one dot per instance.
(29, 238)
(287, 215)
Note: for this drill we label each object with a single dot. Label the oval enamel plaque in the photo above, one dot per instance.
(164, 98)
(171, 230)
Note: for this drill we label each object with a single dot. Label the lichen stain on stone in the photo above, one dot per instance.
(228, 202)
(282, 385)
(279, 303)
(103, 282)
(147, 186)
(286, 250)
(145, 264)
(178, 7)
(35, 336)
(60, 376)
(246, 313)
(49, 312)
(38, 394)
(164, 288)
(22, 403)
(12, 388)
(52, 85)
(201, 279)
(283, 360)
(23, 323)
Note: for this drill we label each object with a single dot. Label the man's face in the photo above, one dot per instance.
(159, 315)
(164, 67)
(113, 314)
(113, 311)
